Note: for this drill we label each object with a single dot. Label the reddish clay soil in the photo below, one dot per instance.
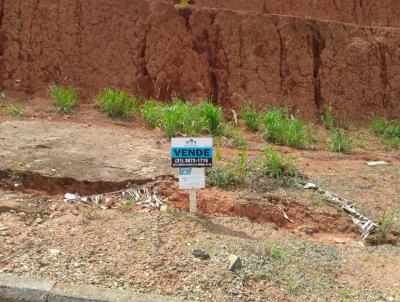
(367, 12)
(155, 50)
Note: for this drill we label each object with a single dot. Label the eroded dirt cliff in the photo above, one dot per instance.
(362, 12)
(156, 50)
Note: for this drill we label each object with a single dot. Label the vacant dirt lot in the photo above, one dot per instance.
(315, 254)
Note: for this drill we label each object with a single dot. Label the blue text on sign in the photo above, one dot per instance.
(188, 152)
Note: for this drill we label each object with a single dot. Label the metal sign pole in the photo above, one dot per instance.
(193, 201)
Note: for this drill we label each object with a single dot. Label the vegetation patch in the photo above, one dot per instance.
(64, 98)
(284, 129)
(251, 118)
(388, 131)
(327, 118)
(275, 165)
(14, 110)
(341, 142)
(184, 118)
(117, 103)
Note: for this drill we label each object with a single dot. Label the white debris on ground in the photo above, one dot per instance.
(365, 224)
(142, 196)
(376, 163)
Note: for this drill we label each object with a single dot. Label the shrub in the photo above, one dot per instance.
(326, 117)
(251, 118)
(221, 176)
(340, 142)
(212, 118)
(14, 110)
(389, 131)
(280, 128)
(64, 98)
(276, 165)
(117, 103)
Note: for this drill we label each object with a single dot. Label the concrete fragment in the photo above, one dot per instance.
(17, 289)
(234, 262)
(201, 254)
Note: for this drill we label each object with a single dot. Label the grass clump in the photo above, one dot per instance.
(387, 231)
(183, 4)
(14, 110)
(276, 252)
(184, 118)
(341, 142)
(212, 117)
(64, 98)
(251, 118)
(277, 166)
(117, 103)
(151, 113)
(326, 117)
(388, 131)
(280, 128)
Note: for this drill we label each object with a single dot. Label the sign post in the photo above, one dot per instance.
(191, 156)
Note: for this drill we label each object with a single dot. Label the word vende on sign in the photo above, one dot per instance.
(191, 152)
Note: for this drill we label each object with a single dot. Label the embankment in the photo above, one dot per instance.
(156, 50)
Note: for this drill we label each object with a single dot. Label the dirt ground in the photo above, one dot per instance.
(315, 255)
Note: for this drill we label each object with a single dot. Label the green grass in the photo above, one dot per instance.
(326, 117)
(235, 135)
(388, 131)
(276, 252)
(277, 166)
(151, 113)
(64, 98)
(341, 142)
(212, 117)
(117, 103)
(384, 234)
(14, 110)
(282, 129)
(184, 118)
(222, 176)
(251, 118)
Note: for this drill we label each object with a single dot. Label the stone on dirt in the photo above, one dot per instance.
(377, 163)
(234, 262)
(201, 254)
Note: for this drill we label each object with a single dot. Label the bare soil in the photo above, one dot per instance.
(320, 257)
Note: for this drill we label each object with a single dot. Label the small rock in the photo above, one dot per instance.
(109, 202)
(54, 252)
(201, 254)
(390, 298)
(164, 208)
(234, 262)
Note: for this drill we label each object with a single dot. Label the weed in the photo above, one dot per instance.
(251, 118)
(125, 205)
(238, 141)
(258, 276)
(384, 234)
(340, 142)
(117, 103)
(64, 98)
(280, 128)
(212, 118)
(14, 110)
(221, 176)
(183, 4)
(326, 117)
(151, 113)
(276, 165)
(89, 215)
(218, 153)
(388, 131)
(276, 252)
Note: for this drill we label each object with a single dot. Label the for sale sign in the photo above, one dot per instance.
(191, 152)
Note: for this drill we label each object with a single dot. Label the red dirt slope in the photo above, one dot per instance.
(155, 50)
(362, 12)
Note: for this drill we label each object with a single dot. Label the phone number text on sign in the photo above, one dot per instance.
(191, 162)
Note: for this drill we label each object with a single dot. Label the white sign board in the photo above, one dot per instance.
(191, 178)
(191, 152)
